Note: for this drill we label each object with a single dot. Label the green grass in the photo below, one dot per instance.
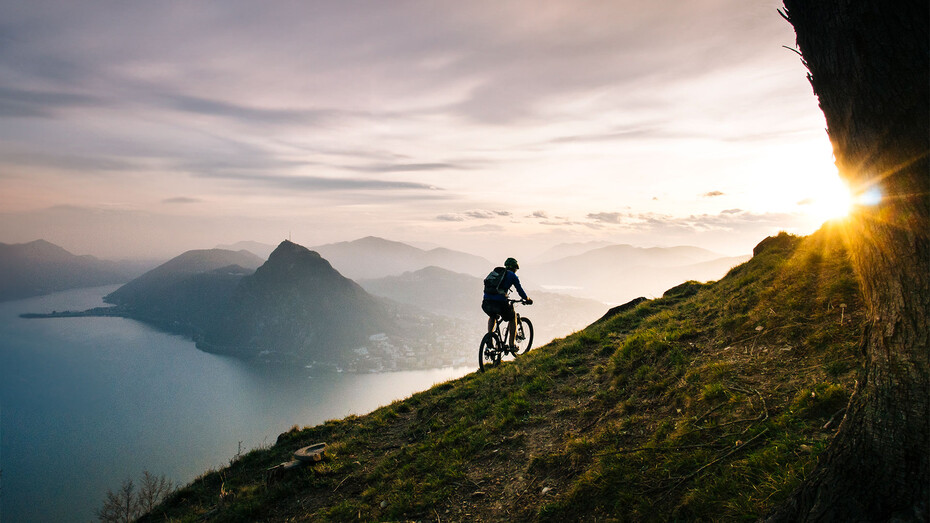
(708, 403)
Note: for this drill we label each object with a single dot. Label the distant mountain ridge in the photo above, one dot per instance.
(262, 250)
(564, 250)
(40, 267)
(372, 257)
(459, 295)
(294, 307)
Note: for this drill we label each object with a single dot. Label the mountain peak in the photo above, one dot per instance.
(288, 248)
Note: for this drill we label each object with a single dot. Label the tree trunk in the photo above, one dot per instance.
(869, 68)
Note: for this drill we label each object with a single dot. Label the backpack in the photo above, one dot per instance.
(494, 280)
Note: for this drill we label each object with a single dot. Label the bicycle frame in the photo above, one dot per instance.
(495, 345)
(505, 336)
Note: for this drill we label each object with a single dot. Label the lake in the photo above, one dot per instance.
(86, 403)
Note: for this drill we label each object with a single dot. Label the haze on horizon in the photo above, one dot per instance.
(142, 130)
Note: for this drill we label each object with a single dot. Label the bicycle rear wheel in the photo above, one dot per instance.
(523, 341)
(489, 352)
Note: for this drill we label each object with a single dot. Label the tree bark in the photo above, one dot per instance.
(868, 63)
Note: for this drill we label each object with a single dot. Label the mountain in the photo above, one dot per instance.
(373, 257)
(459, 296)
(262, 250)
(618, 273)
(564, 250)
(149, 290)
(294, 307)
(297, 304)
(709, 403)
(40, 267)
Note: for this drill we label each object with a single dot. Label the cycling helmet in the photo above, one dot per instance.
(511, 264)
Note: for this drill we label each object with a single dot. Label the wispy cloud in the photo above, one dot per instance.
(18, 103)
(609, 217)
(250, 114)
(712, 194)
(726, 220)
(65, 161)
(407, 167)
(485, 228)
(473, 214)
(318, 183)
(181, 200)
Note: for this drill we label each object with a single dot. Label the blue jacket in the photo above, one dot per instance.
(510, 280)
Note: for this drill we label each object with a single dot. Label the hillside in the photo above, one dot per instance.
(709, 403)
(40, 267)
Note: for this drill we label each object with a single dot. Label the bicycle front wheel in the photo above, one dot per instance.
(489, 352)
(523, 341)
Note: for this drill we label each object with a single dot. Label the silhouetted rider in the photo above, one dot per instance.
(495, 301)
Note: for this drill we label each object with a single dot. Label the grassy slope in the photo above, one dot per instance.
(708, 403)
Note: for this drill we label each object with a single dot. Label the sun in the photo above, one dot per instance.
(829, 199)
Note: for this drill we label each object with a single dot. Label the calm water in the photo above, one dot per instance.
(88, 402)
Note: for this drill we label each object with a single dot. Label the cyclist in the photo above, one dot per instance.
(497, 287)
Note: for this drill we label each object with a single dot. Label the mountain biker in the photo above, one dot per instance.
(495, 304)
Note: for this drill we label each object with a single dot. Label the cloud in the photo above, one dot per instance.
(653, 130)
(212, 107)
(181, 200)
(609, 217)
(806, 201)
(539, 214)
(19, 103)
(712, 194)
(482, 214)
(661, 223)
(65, 161)
(474, 214)
(485, 228)
(319, 183)
(254, 167)
(407, 167)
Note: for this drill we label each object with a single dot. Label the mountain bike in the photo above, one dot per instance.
(493, 348)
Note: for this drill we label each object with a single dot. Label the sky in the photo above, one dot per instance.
(133, 129)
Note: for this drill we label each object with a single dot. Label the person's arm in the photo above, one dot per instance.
(516, 284)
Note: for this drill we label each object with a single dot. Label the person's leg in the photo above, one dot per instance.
(493, 313)
(511, 318)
